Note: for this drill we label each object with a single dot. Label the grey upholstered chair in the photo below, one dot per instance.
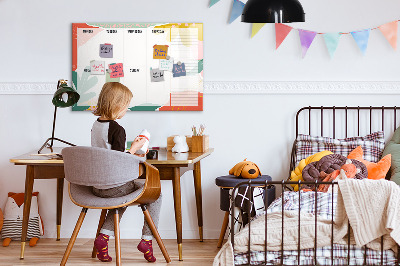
(85, 167)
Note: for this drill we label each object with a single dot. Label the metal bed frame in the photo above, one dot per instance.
(283, 184)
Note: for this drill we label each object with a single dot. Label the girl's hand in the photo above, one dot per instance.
(137, 144)
(142, 155)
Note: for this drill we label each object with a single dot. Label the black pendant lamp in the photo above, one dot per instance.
(273, 11)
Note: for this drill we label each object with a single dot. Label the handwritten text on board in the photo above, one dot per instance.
(97, 67)
(106, 50)
(179, 70)
(166, 64)
(117, 70)
(160, 51)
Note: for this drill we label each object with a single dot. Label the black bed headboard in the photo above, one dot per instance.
(344, 121)
(346, 112)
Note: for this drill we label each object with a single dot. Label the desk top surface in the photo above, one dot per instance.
(164, 157)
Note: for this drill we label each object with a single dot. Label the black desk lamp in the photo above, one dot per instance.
(64, 97)
(273, 11)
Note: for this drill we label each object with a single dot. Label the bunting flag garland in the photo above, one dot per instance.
(213, 2)
(306, 39)
(332, 41)
(256, 27)
(389, 30)
(281, 31)
(237, 9)
(361, 37)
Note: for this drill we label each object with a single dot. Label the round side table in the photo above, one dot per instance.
(226, 183)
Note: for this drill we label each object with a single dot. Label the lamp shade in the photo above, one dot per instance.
(273, 11)
(65, 96)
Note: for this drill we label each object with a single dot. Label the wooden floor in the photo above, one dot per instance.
(50, 252)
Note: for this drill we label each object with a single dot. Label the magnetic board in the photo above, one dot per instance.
(161, 63)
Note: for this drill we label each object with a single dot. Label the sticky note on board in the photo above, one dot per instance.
(179, 70)
(117, 70)
(160, 51)
(97, 67)
(156, 75)
(166, 64)
(106, 50)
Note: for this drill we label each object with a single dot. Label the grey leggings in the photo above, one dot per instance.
(154, 208)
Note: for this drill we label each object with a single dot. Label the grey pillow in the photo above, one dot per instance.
(393, 148)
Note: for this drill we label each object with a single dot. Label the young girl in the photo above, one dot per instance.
(113, 103)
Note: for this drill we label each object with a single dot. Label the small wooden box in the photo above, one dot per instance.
(200, 143)
(171, 143)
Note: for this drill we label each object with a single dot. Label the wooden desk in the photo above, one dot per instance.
(171, 167)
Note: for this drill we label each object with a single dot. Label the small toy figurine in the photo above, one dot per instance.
(180, 144)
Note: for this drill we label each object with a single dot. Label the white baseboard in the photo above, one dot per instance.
(250, 87)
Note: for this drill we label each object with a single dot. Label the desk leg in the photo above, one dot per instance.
(27, 206)
(60, 190)
(199, 204)
(176, 182)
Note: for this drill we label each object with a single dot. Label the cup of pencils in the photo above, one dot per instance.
(199, 140)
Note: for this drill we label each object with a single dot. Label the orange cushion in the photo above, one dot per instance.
(375, 170)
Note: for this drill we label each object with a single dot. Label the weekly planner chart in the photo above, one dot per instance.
(161, 63)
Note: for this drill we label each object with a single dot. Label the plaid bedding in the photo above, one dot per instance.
(340, 253)
(322, 207)
(372, 145)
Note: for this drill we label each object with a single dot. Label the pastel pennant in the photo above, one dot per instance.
(332, 41)
(237, 9)
(281, 31)
(361, 37)
(256, 27)
(213, 2)
(306, 39)
(389, 30)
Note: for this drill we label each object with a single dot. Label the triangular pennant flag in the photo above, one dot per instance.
(237, 9)
(281, 31)
(213, 2)
(256, 27)
(332, 41)
(361, 37)
(306, 39)
(389, 30)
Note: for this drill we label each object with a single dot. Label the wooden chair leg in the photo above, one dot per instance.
(73, 237)
(154, 230)
(101, 222)
(223, 229)
(117, 238)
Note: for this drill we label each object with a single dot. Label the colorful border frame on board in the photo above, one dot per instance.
(171, 105)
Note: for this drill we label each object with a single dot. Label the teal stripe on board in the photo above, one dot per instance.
(144, 108)
(200, 65)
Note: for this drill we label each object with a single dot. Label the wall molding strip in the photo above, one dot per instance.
(243, 87)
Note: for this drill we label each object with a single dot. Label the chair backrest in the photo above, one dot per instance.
(92, 166)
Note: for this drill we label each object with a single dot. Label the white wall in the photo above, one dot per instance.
(35, 45)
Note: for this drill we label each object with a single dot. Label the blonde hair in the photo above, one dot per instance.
(113, 97)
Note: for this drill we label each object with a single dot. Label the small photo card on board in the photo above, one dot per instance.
(156, 75)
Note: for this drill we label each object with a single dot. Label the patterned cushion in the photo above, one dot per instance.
(372, 144)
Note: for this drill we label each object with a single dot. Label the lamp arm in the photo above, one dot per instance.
(54, 126)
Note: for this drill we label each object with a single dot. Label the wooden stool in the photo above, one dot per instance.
(226, 183)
